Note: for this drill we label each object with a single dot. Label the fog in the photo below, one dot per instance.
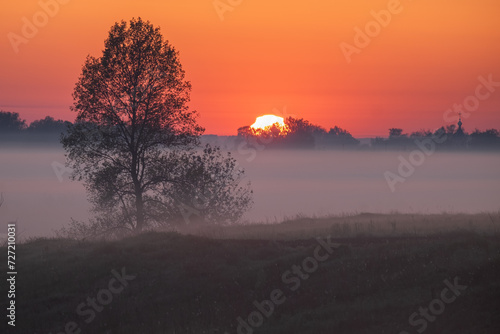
(337, 182)
(40, 197)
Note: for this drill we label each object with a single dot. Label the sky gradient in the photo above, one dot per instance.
(276, 57)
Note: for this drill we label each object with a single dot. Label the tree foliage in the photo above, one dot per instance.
(213, 191)
(134, 140)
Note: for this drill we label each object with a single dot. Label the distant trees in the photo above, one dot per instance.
(10, 122)
(450, 129)
(135, 141)
(395, 133)
(304, 134)
(420, 134)
(454, 139)
(271, 134)
(48, 125)
(299, 133)
(399, 140)
(489, 139)
(336, 137)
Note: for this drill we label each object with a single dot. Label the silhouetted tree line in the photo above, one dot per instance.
(444, 138)
(299, 133)
(11, 123)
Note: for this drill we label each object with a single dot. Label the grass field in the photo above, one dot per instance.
(381, 271)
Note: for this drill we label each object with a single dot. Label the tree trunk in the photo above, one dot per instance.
(139, 206)
(139, 203)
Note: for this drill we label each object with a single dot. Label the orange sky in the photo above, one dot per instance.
(277, 56)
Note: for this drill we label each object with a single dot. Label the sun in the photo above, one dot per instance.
(266, 121)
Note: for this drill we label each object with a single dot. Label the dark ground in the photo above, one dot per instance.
(187, 284)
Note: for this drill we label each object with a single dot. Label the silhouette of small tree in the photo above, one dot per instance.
(134, 133)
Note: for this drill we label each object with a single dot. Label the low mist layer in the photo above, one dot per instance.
(40, 197)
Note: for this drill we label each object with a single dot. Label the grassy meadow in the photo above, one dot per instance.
(382, 270)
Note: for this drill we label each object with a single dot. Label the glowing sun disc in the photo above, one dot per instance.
(267, 120)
